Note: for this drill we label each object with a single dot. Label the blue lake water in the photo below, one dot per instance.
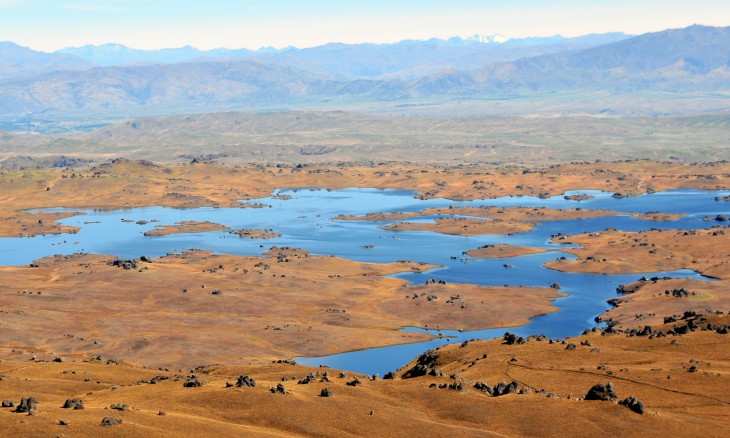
(305, 220)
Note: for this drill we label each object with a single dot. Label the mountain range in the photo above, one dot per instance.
(88, 81)
(18, 61)
(405, 58)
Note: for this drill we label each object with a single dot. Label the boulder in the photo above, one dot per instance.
(279, 388)
(456, 386)
(126, 264)
(245, 381)
(481, 386)
(110, 421)
(73, 403)
(193, 382)
(325, 392)
(29, 405)
(307, 379)
(602, 391)
(511, 339)
(425, 364)
(634, 404)
(418, 370)
(354, 382)
(503, 388)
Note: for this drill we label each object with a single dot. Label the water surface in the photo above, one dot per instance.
(305, 219)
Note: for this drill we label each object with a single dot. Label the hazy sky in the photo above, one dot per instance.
(152, 24)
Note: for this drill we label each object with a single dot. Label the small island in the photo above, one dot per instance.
(185, 227)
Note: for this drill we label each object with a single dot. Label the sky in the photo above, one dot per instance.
(153, 24)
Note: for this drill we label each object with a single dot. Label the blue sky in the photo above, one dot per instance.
(152, 24)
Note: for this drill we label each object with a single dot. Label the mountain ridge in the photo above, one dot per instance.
(16, 61)
(656, 61)
(117, 54)
(690, 60)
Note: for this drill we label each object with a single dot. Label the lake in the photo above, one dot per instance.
(305, 219)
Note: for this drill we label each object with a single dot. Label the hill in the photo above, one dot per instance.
(18, 61)
(680, 381)
(689, 64)
(161, 87)
(694, 58)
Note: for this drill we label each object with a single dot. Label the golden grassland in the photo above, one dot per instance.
(185, 227)
(502, 250)
(126, 184)
(678, 400)
(613, 251)
(492, 220)
(198, 308)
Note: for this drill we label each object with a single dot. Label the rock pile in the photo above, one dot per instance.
(425, 365)
(193, 382)
(501, 388)
(245, 381)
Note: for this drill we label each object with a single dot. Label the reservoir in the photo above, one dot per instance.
(306, 218)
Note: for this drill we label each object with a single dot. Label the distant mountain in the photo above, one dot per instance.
(694, 59)
(117, 54)
(698, 49)
(412, 59)
(18, 61)
(162, 86)
(405, 60)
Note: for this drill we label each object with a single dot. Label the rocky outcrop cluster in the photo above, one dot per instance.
(425, 365)
(500, 389)
(606, 392)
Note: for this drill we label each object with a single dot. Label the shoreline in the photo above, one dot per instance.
(123, 183)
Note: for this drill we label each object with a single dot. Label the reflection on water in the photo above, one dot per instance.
(304, 220)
